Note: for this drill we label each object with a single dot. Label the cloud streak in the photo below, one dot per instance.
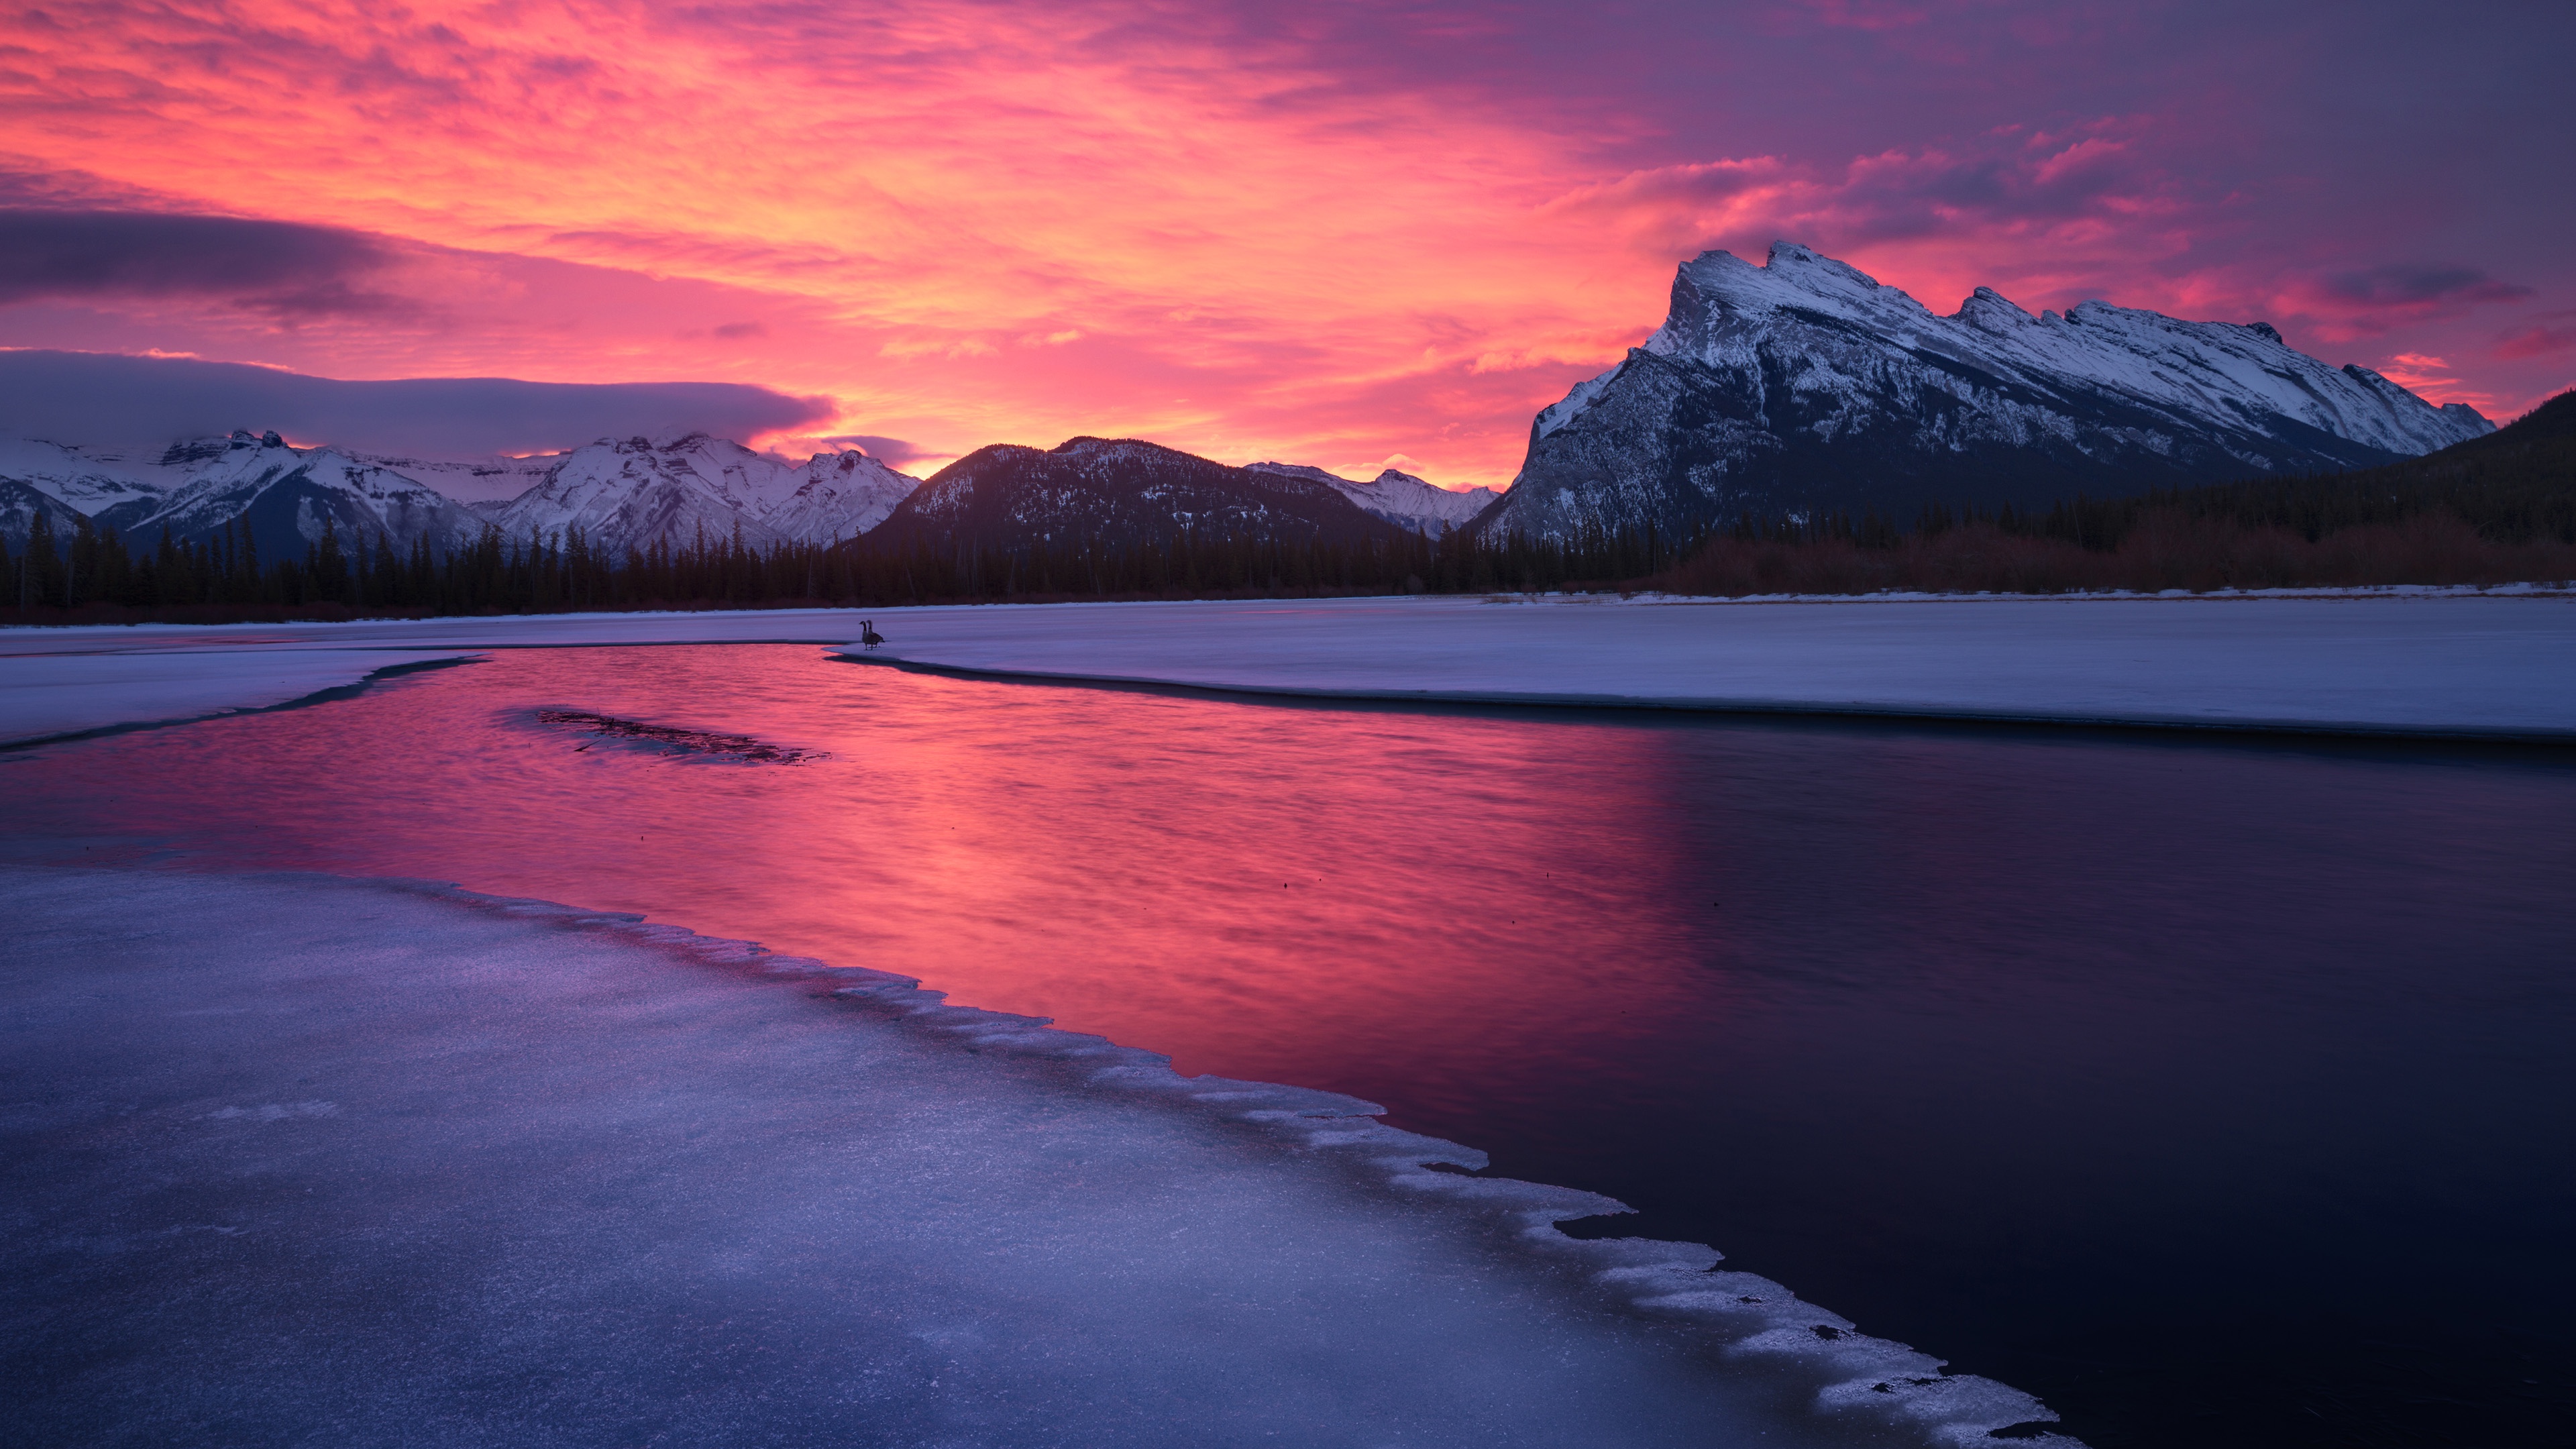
(280, 268)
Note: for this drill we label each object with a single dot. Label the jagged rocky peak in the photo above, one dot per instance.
(1806, 384)
(200, 450)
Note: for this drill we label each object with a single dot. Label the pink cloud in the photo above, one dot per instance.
(2555, 333)
(1318, 231)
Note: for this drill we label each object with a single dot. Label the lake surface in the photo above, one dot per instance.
(2218, 1093)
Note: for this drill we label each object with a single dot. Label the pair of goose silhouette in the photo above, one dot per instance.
(868, 634)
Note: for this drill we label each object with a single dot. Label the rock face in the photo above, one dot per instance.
(1399, 498)
(1117, 493)
(1803, 385)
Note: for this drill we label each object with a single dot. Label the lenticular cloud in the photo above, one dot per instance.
(85, 397)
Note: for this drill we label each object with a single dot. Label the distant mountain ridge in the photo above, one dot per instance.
(1116, 492)
(630, 493)
(633, 492)
(617, 493)
(1400, 498)
(1804, 384)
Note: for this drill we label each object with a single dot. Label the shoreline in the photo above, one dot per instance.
(500, 967)
(1754, 709)
(2496, 667)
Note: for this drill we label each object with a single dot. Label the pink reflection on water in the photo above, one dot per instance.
(1278, 894)
(2047, 1050)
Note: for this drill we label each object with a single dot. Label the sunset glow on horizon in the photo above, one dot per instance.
(1344, 236)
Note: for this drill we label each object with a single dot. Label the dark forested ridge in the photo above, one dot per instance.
(2495, 509)
(1067, 524)
(1116, 493)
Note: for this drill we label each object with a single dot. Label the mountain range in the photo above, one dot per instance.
(1797, 387)
(1117, 492)
(634, 491)
(1804, 385)
(617, 492)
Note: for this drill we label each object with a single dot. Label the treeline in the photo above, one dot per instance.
(2498, 509)
(91, 573)
(2155, 550)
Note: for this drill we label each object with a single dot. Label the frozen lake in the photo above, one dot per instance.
(2208, 1090)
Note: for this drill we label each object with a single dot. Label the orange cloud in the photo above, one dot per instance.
(965, 223)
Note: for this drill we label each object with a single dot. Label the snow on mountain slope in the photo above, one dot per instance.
(1399, 498)
(631, 492)
(19, 505)
(111, 484)
(470, 482)
(1804, 384)
(842, 495)
(285, 496)
(616, 492)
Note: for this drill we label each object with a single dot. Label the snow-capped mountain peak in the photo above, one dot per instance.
(1805, 382)
(630, 492)
(287, 496)
(616, 491)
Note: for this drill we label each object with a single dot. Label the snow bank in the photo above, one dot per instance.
(304, 1156)
(2479, 667)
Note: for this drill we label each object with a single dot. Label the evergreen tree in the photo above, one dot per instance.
(36, 576)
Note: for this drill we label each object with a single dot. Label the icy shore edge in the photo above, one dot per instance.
(1748, 1318)
(1760, 708)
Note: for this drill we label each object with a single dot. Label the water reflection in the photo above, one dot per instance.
(2163, 1080)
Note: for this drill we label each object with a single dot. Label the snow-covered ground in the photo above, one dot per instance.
(2443, 665)
(2406, 663)
(325, 1160)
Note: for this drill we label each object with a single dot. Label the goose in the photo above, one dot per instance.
(868, 634)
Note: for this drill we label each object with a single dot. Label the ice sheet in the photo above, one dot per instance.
(2407, 665)
(52, 695)
(56, 682)
(302, 1159)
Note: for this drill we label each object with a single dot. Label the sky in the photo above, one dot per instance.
(1357, 236)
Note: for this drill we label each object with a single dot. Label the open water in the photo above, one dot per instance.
(2217, 1092)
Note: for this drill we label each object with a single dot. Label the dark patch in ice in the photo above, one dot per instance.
(2027, 1429)
(1828, 1332)
(675, 741)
